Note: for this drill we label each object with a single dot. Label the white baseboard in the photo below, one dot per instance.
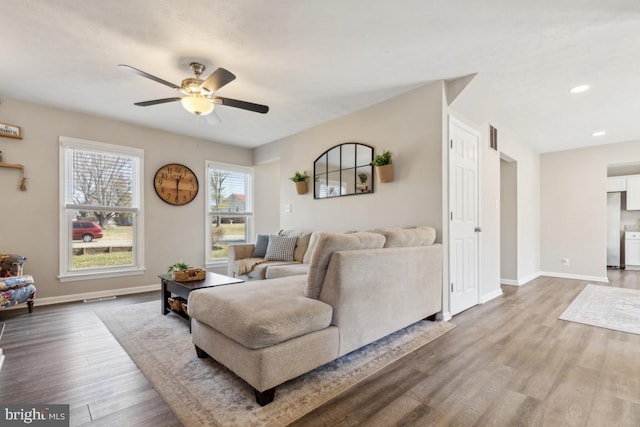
(521, 281)
(90, 295)
(575, 276)
(492, 295)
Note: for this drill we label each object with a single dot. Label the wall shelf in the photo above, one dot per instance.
(23, 186)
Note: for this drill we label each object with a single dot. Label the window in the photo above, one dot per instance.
(101, 219)
(229, 209)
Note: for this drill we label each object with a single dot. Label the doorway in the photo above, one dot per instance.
(508, 220)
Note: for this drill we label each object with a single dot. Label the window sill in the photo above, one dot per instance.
(216, 264)
(92, 275)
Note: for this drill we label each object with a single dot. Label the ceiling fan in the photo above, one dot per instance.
(199, 95)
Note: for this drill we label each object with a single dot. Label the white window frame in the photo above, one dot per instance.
(209, 164)
(137, 267)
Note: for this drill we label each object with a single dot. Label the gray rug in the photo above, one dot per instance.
(606, 307)
(204, 393)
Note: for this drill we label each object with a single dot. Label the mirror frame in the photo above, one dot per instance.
(346, 172)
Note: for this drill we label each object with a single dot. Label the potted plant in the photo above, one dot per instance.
(182, 272)
(177, 267)
(301, 182)
(384, 166)
(363, 177)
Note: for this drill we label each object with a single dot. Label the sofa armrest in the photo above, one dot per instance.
(237, 252)
(240, 251)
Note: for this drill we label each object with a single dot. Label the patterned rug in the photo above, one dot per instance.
(202, 392)
(606, 307)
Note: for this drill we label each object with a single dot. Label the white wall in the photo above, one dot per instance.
(409, 125)
(267, 197)
(30, 219)
(574, 210)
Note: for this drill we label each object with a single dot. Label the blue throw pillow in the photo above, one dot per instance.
(260, 249)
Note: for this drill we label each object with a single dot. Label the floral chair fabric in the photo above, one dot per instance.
(15, 287)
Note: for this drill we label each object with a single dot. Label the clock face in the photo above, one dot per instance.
(176, 184)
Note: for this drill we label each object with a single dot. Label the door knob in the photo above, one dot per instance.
(477, 229)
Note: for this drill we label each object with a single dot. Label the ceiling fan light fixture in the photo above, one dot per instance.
(197, 104)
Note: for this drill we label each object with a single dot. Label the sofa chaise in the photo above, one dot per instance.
(359, 288)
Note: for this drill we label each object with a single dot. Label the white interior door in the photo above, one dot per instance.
(463, 217)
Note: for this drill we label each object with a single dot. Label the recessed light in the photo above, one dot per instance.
(579, 89)
(599, 133)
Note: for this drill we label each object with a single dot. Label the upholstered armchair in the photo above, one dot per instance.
(15, 287)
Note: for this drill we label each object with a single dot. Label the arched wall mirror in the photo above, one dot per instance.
(343, 170)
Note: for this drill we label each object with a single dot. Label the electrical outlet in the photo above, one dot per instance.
(565, 261)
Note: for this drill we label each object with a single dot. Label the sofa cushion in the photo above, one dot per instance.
(301, 247)
(313, 239)
(326, 245)
(260, 314)
(260, 248)
(259, 270)
(403, 237)
(286, 270)
(301, 244)
(281, 248)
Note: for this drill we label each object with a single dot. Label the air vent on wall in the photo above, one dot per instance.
(493, 138)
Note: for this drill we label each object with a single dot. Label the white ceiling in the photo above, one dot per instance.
(312, 61)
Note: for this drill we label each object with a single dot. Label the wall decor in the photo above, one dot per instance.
(10, 131)
(384, 166)
(300, 179)
(176, 184)
(23, 181)
(343, 170)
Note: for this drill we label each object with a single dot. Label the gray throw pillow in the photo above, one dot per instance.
(281, 248)
(260, 248)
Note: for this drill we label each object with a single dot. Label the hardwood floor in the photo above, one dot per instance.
(64, 354)
(509, 362)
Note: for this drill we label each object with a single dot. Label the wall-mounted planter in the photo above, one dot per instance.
(385, 173)
(302, 187)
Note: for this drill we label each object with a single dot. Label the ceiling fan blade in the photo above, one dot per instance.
(217, 79)
(156, 101)
(250, 106)
(150, 76)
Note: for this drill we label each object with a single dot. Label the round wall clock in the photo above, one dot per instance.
(176, 184)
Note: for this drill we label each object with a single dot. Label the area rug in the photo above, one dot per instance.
(606, 307)
(202, 392)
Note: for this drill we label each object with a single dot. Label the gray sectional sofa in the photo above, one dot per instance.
(359, 288)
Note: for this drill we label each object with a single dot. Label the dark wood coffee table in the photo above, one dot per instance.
(183, 289)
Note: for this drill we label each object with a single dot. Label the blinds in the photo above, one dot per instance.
(229, 192)
(100, 179)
